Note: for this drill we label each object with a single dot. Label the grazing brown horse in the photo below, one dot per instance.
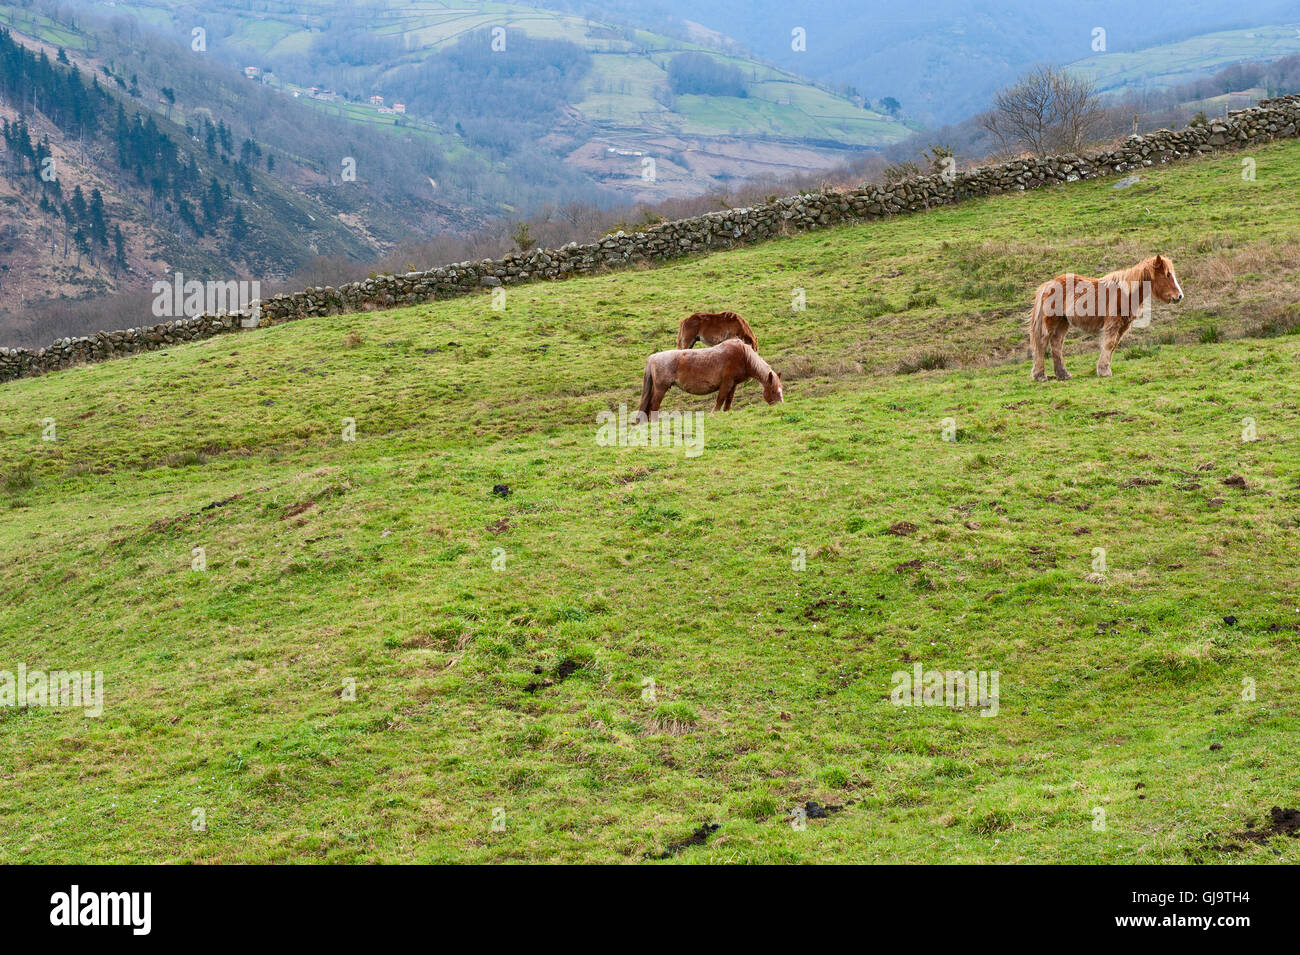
(713, 328)
(1108, 306)
(703, 371)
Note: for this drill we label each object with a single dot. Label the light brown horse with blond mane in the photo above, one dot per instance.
(1108, 306)
(713, 328)
(702, 371)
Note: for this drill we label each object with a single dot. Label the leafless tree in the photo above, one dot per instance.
(1046, 111)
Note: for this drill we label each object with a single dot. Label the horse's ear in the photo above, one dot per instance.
(1160, 262)
(771, 377)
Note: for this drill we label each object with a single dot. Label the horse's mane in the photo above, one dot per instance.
(1144, 271)
(755, 365)
(743, 324)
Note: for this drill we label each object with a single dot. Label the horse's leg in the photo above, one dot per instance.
(1057, 327)
(657, 399)
(725, 387)
(731, 393)
(1039, 372)
(1113, 337)
(1110, 336)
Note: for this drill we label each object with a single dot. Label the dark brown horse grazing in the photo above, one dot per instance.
(713, 328)
(1109, 305)
(703, 371)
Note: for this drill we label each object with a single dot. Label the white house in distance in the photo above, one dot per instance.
(376, 101)
(252, 72)
(399, 107)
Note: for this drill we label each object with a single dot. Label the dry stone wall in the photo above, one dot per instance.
(1271, 119)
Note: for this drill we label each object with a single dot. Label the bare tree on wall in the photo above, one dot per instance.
(1046, 111)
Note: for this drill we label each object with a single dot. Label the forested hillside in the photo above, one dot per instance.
(98, 193)
(149, 162)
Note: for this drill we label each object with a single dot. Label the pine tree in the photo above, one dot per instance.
(98, 225)
(239, 228)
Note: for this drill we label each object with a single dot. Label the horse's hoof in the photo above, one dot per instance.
(1103, 372)
(1039, 376)
(1063, 375)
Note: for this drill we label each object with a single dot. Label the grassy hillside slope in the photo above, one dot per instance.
(524, 689)
(1193, 58)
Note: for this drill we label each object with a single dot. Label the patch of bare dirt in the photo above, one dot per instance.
(299, 508)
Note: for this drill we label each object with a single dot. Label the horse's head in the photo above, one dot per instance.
(1164, 283)
(773, 390)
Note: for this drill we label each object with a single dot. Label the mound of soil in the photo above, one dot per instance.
(818, 811)
(1282, 822)
(696, 838)
(565, 670)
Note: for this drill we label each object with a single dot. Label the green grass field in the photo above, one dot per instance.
(45, 29)
(500, 649)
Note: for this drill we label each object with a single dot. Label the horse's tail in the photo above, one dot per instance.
(746, 333)
(1037, 326)
(647, 391)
